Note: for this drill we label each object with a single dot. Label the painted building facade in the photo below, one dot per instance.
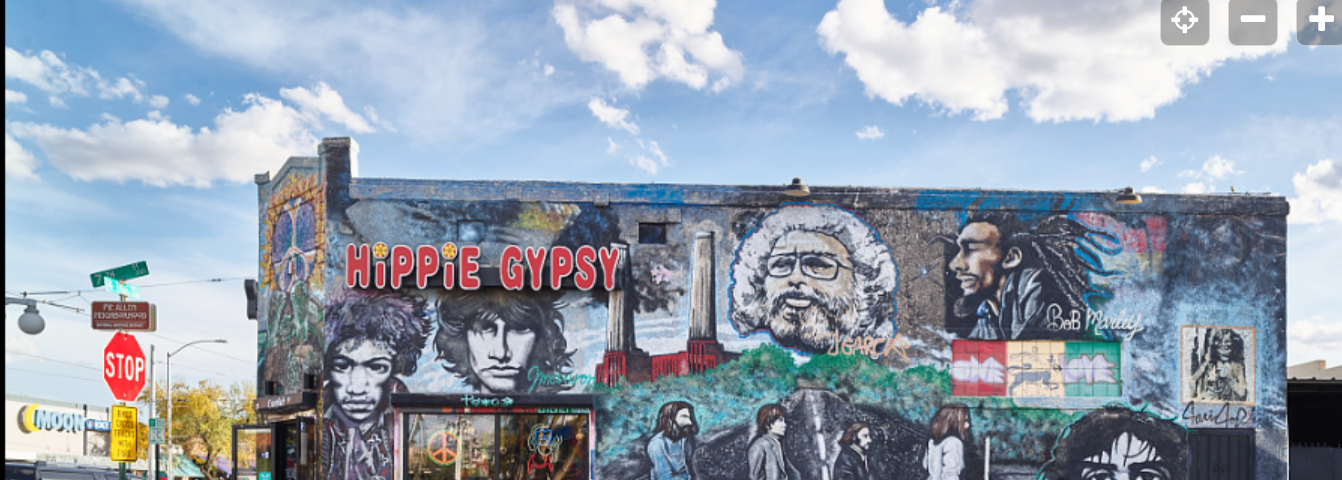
(505, 329)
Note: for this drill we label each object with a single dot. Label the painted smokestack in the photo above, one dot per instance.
(702, 307)
(620, 331)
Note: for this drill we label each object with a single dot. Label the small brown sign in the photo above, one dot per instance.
(138, 316)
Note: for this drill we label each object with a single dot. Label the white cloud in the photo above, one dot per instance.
(1314, 338)
(19, 164)
(324, 100)
(159, 152)
(158, 101)
(1065, 60)
(1198, 187)
(1217, 168)
(192, 99)
(1318, 193)
(438, 71)
(20, 343)
(652, 159)
(612, 116)
(14, 97)
(1152, 189)
(871, 132)
(611, 147)
(1150, 163)
(46, 71)
(644, 40)
(549, 69)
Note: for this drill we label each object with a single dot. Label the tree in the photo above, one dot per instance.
(203, 417)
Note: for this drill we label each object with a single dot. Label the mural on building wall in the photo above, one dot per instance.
(1014, 280)
(812, 275)
(372, 340)
(808, 341)
(1218, 365)
(501, 342)
(292, 287)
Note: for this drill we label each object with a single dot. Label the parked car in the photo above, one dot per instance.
(43, 470)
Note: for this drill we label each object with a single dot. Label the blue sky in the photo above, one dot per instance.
(133, 128)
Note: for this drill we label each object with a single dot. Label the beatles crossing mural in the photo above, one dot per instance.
(730, 333)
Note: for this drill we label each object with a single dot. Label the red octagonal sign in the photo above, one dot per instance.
(124, 367)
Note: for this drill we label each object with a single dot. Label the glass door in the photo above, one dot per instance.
(252, 451)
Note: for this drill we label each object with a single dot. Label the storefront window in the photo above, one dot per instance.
(505, 446)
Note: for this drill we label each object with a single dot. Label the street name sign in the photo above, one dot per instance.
(158, 433)
(122, 288)
(124, 367)
(124, 272)
(125, 433)
(140, 316)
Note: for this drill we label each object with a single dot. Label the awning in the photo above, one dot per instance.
(184, 467)
(222, 463)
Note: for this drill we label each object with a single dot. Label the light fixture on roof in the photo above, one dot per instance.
(797, 189)
(1128, 197)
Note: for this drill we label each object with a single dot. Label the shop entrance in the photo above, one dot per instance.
(283, 450)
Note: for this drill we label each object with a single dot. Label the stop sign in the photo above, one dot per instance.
(124, 367)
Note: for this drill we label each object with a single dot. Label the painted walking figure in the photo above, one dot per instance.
(671, 448)
(852, 462)
(945, 457)
(765, 455)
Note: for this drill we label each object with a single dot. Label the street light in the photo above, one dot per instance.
(30, 322)
(170, 404)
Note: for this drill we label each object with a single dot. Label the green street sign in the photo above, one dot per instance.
(122, 288)
(124, 272)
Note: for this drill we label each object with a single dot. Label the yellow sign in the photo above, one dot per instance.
(125, 433)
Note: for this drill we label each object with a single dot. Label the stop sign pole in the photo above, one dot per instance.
(124, 367)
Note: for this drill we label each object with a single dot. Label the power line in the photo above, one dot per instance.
(188, 367)
(7, 367)
(96, 369)
(249, 362)
(169, 284)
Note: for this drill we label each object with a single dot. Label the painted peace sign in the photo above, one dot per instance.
(442, 448)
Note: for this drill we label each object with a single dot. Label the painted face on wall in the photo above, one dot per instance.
(977, 265)
(500, 353)
(864, 438)
(683, 418)
(360, 372)
(1223, 344)
(778, 428)
(1128, 458)
(809, 289)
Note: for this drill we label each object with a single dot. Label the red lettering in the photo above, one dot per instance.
(561, 265)
(586, 277)
(610, 258)
(357, 264)
(426, 262)
(402, 263)
(536, 263)
(380, 274)
(469, 266)
(449, 274)
(511, 273)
